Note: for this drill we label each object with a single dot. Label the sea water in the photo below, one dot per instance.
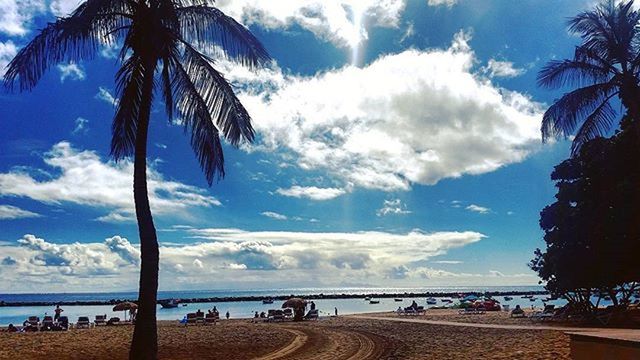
(246, 309)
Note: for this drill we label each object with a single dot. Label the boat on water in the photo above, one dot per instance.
(432, 301)
(532, 299)
(367, 298)
(448, 301)
(397, 299)
(374, 301)
(267, 301)
(169, 304)
(508, 298)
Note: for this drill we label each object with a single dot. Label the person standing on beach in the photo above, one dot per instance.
(57, 312)
(335, 309)
(227, 315)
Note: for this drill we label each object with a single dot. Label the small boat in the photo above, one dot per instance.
(184, 304)
(508, 298)
(374, 301)
(432, 301)
(367, 298)
(448, 301)
(267, 301)
(397, 299)
(169, 304)
(532, 299)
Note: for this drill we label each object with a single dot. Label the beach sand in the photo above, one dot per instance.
(343, 337)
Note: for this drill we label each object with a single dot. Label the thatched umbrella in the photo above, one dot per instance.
(298, 305)
(124, 306)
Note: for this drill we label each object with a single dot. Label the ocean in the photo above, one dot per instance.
(243, 309)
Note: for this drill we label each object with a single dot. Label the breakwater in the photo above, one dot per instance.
(281, 297)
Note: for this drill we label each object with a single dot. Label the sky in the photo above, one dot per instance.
(398, 145)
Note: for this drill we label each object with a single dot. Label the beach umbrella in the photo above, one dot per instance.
(124, 306)
(294, 303)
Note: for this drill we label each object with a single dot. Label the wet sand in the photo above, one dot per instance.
(329, 338)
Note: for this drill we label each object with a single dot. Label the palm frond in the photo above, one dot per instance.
(166, 88)
(69, 39)
(596, 124)
(563, 116)
(125, 123)
(205, 138)
(209, 27)
(230, 116)
(559, 73)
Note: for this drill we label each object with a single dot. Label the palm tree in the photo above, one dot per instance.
(159, 39)
(605, 65)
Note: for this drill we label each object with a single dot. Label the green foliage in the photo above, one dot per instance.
(592, 231)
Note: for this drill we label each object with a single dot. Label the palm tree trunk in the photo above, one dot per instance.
(145, 337)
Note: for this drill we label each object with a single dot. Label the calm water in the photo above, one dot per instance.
(239, 309)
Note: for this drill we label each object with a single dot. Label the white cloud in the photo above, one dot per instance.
(105, 95)
(16, 15)
(7, 51)
(448, 3)
(71, 71)
(124, 249)
(86, 180)
(478, 209)
(330, 20)
(197, 263)
(413, 117)
(8, 212)
(395, 207)
(64, 7)
(448, 262)
(311, 192)
(81, 124)
(497, 68)
(274, 215)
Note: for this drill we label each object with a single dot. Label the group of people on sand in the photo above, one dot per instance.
(213, 312)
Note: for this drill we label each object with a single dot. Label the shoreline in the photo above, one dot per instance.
(281, 298)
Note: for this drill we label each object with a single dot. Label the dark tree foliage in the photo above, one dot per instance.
(592, 231)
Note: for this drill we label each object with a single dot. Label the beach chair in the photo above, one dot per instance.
(200, 317)
(312, 315)
(546, 314)
(83, 322)
(192, 319)
(47, 323)
(33, 321)
(211, 318)
(63, 324)
(100, 320)
(288, 313)
(113, 321)
(278, 315)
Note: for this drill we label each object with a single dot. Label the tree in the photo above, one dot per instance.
(159, 39)
(605, 66)
(592, 231)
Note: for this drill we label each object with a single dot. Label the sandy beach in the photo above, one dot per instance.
(346, 337)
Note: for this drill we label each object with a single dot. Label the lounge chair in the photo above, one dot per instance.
(192, 319)
(62, 324)
(288, 313)
(200, 317)
(546, 314)
(211, 318)
(113, 321)
(472, 311)
(33, 321)
(83, 322)
(47, 323)
(278, 315)
(100, 320)
(312, 315)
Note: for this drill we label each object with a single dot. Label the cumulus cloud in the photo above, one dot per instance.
(85, 179)
(395, 207)
(497, 68)
(8, 212)
(7, 51)
(105, 95)
(274, 215)
(448, 3)
(81, 124)
(478, 209)
(71, 71)
(64, 7)
(311, 192)
(8, 261)
(16, 15)
(124, 249)
(340, 22)
(413, 117)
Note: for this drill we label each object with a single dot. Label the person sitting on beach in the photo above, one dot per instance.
(12, 328)
(414, 305)
(517, 310)
(399, 310)
(263, 315)
(199, 313)
(57, 312)
(313, 305)
(256, 316)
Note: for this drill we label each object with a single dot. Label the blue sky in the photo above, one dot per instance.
(397, 145)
